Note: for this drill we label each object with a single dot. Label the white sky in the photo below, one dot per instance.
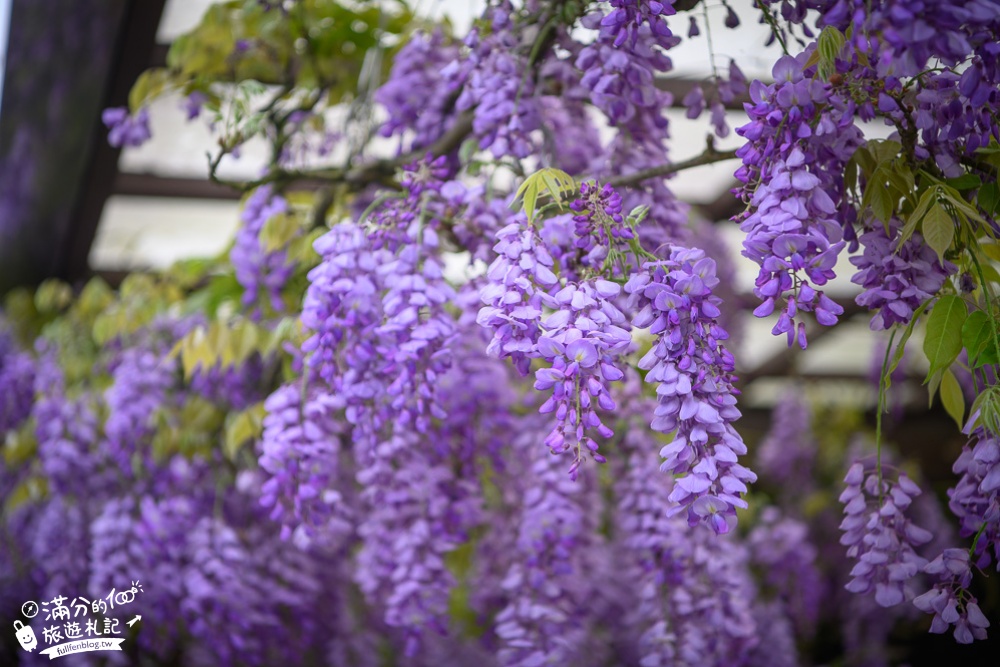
(5, 6)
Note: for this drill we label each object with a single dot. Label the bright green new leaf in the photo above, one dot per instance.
(151, 84)
(830, 42)
(939, 230)
(241, 428)
(987, 405)
(991, 250)
(943, 341)
(553, 181)
(278, 231)
(952, 397)
(52, 296)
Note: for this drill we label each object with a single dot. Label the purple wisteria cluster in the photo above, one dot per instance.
(17, 377)
(975, 498)
(695, 601)
(694, 385)
(125, 129)
(950, 601)
(502, 100)
(619, 70)
(896, 281)
(550, 583)
(261, 272)
(880, 536)
(793, 163)
(417, 72)
(587, 330)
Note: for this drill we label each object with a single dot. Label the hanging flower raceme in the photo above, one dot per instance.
(520, 281)
(975, 499)
(17, 373)
(550, 585)
(793, 161)
(880, 536)
(416, 74)
(696, 398)
(581, 342)
(896, 280)
(502, 100)
(950, 601)
(259, 271)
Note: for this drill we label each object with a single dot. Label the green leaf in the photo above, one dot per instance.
(943, 341)
(927, 199)
(877, 196)
(241, 428)
(52, 296)
(987, 406)
(932, 386)
(939, 230)
(978, 339)
(964, 182)
(829, 44)
(151, 84)
(989, 198)
(553, 181)
(975, 333)
(991, 250)
(278, 231)
(884, 150)
(952, 397)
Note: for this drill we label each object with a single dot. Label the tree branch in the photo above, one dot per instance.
(710, 156)
(379, 171)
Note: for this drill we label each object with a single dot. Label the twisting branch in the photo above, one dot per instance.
(379, 171)
(710, 156)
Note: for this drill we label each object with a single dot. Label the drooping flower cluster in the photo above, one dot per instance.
(880, 536)
(695, 600)
(502, 99)
(300, 450)
(619, 67)
(580, 344)
(975, 499)
(896, 282)
(520, 279)
(261, 272)
(416, 74)
(780, 546)
(140, 384)
(950, 601)
(693, 372)
(125, 129)
(17, 376)
(793, 163)
(550, 584)
(381, 340)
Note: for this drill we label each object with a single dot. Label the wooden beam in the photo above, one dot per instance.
(136, 36)
(151, 185)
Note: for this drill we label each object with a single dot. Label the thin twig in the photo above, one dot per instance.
(710, 156)
(380, 171)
